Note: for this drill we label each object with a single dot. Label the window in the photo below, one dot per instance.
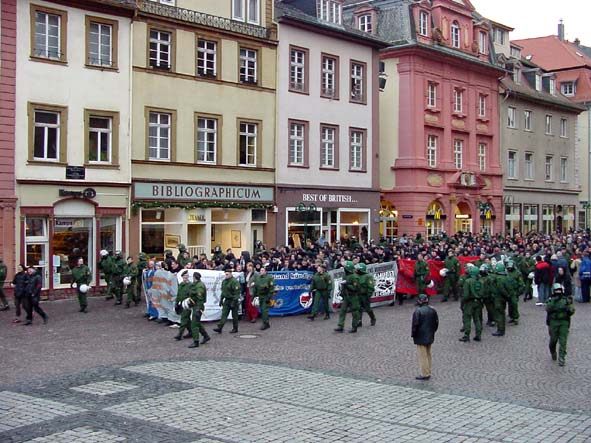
(432, 95)
(482, 156)
(563, 127)
(102, 137)
(328, 147)
(164, 2)
(432, 151)
(423, 23)
(529, 165)
(47, 135)
(563, 169)
(512, 164)
(48, 33)
(207, 58)
(365, 23)
(298, 70)
(530, 218)
(455, 34)
(101, 42)
(515, 52)
(159, 135)
(330, 77)
(357, 150)
(329, 10)
(568, 88)
(482, 106)
(160, 49)
(246, 10)
(499, 36)
(358, 82)
(482, 42)
(527, 120)
(548, 166)
(207, 139)
(458, 153)
(248, 66)
(552, 86)
(458, 100)
(548, 125)
(297, 143)
(517, 74)
(538, 82)
(248, 143)
(511, 113)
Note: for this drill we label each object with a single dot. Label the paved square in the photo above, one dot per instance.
(80, 435)
(104, 388)
(17, 410)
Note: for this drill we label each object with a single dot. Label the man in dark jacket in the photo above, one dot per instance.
(424, 325)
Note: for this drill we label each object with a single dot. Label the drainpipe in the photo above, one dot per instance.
(587, 212)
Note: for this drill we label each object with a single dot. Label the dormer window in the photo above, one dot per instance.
(552, 86)
(330, 11)
(424, 23)
(538, 82)
(482, 42)
(499, 36)
(517, 74)
(515, 52)
(246, 10)
(568, 88)
(455, 34)
(365, 23)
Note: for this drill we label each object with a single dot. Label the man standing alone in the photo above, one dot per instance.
(425, 322)
(82, 276)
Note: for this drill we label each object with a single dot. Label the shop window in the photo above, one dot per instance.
(530, 218)
(353, 226)
(72, 239)
(548, 219)
(303, 225)
(512, 218)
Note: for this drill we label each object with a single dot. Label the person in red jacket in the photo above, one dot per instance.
(543, 278)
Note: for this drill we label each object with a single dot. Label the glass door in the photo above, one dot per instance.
(37, 256)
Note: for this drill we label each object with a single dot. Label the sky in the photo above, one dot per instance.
(538, 18)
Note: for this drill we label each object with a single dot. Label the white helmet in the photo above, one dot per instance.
(104, 252)
(530, 275)
(84, 288)
(126, 281)
(431, 284)
(186, 303)
(255, 302)
(443, 272)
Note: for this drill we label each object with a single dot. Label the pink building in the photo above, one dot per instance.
(439, 141)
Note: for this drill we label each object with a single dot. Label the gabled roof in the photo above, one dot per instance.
(552, 54)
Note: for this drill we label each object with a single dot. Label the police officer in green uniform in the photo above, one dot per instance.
(106, 265)
(196, 293)
(452, 264)
(118, 268)
(517, 286)
(527, 267)
(559, 310)
(264, 287)
(350, 296)
(487, 295)
(472, 303)
(229, 301)
(321, 287)
(183, 256)
(132, 271)
(366, 290)
(502, 294)
(421, 274)
(82, 276)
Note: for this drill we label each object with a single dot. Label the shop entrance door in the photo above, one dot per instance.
(37, 255)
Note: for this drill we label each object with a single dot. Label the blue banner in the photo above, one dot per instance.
(292, 292)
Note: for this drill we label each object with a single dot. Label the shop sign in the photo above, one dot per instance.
(196, 218)
(87, 193)
(406, 215)
(328, 198)
(201, 192)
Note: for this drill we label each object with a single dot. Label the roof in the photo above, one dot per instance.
(284, 11)
(552, 54)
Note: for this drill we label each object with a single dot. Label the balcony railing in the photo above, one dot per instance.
(201, 18)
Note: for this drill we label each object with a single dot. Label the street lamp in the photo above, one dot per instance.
(306, 210)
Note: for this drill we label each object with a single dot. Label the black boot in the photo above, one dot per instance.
(218, 330)
(327, 317)
(353, 330)
(311, 317)
(265, 326)
(189, 334)
(127, 305)
(195, 344)
(373, 321)
(178, 337)
(234, 331)
(339, 329)
(205, 339)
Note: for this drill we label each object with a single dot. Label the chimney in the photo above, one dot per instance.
(577, 42)
(561, 31)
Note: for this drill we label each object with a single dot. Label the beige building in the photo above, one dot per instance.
(72, 134)
(203, 150)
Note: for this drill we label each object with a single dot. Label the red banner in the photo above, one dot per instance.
(405, 283)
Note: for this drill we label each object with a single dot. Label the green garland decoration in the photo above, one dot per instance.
(188, 206)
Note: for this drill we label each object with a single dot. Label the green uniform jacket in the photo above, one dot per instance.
(500, 286)
(366, 285)
(184, 291)
(453, 265)
(81, 275)
(350, 286)
(516, 282)
(199, 295)
(472, 289)
(321, 282)
(132, 271)
(106, 265)
(421, 269)
(3, 272)
(230, 289)
(559, 308)
(264, 286)
(118, 267)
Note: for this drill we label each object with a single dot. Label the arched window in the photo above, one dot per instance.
(455, 34)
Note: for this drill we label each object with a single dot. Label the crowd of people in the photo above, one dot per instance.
(501, 272)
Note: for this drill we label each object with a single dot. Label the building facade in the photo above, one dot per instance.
(72, 134)
(203, 150)
(8, 31)
(571, 65)
(440, 168)
(327, 126)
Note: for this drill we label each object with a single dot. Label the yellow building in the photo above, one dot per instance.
(203, 125)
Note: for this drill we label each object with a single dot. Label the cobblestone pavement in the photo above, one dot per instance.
(111, 376)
